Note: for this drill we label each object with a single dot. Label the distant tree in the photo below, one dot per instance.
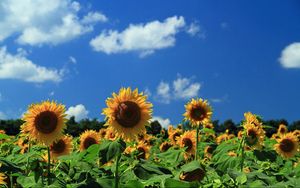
(154, 128)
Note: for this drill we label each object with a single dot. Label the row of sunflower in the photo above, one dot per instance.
(124, 155)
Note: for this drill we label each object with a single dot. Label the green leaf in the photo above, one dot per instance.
(133, 184)
(171, 183)
(4, 136)
(242, 179)
(265, 155)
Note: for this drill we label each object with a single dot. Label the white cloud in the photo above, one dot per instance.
(36, 22)
(147, 92)
(79, 112)
(182, 88)
(2, 115)
(290, 56)
(51, 93)
(163, 122)
(93, 17)
(193, 29)
(19, 67)
(163, 92)
(142, 38)
(72, 59)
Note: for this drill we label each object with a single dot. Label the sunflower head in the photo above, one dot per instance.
(2, 131)
(231, 154)
(208, 125)
(195, 175)
(165, 146)
(44, 122)
(143, 151)
(174, 135)
(287, 146)
(110, 134)
(61, 147)
(254, 137)
(282, 129)
(128, 113)
(2, 179)
(208, 151)
(188, 141)
(222, 137)
(102, 133)
(88, 138)
(198, 112)
(297, 134)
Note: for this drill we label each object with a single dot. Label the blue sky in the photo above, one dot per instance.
(239, 55)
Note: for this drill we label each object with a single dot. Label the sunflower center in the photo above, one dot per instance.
(58, 147)
(195, 175)
(287, 145)
(128, 114)
(282, 130)
(198, 113)
(142, 153)
(165, 146)
(88, 142)
(187, 143)
(46, 122)
(252, 137)
(210, 150)
(175, 135)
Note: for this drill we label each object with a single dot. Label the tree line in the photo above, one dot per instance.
(12, 126)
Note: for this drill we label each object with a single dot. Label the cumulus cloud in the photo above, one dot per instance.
(72, 59)
(290, 56)
(141, 38)
(163, 92)
(163, 122)
(38, 22)
(19, 67)
(182, 88)
(79, 112)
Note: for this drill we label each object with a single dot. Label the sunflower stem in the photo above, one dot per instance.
(49, 163)
(197, 138)
(243, 153)
(117, 171)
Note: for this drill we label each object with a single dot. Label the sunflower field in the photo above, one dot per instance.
(122, 154)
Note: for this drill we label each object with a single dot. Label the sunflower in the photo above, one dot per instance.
(208, 151)
(110, 134)
(275, 136)
(174, 135)
(231, 154)
(165, 146)
(254, 136)
(44, 122)
(102, 132)
(196, 175)
(223, 137)
(282, 129)
(2, 179)
(188, 141)
(143, 151)
(198, 112)
(240, 134)
(88, 138)
(287, 145)
(128, 113)
(2, 131)
(252, 119)
(208, 125)
(297, 134)
(61, 147)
